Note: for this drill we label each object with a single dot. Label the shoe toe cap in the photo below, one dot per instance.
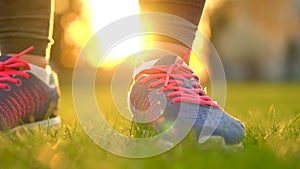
(234, 132)
(222, 124)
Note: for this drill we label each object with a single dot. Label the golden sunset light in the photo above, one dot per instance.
(96, 14)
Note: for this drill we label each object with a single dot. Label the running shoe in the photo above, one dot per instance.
(159, 92)
(29, 94)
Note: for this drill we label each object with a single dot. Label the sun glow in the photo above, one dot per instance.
(97, 14)
(102, 13)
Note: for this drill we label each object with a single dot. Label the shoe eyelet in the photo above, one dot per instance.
(141, 84)
(158, 92)
(150, 88)
(19, 82)
(7, 88)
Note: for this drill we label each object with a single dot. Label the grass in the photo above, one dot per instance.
(271, 113)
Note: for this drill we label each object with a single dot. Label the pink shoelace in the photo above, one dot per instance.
(12, 67)
(180, 72)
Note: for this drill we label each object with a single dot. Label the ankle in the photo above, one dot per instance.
(37, 60)
(177, 49)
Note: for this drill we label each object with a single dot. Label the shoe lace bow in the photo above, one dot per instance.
(13, 67)
(175, 77)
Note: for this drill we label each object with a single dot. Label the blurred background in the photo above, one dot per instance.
(257, 40)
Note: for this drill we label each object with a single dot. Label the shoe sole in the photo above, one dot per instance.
(211, 143)
(49, 123)
(214, 142)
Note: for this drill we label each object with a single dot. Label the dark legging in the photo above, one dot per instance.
(29, 22)
(190, 10)
(24, 23)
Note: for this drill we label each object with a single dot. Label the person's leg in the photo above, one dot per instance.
(25, 23)
(165, 90)
(28, 87)
(190, 10)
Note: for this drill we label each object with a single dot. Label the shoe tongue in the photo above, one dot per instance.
(4, 58)
(163, 61)
(166, 60)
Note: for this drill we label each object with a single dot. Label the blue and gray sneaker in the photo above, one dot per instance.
(29, 94)
(157, 93)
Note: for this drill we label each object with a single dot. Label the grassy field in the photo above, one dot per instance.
(271, 113)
